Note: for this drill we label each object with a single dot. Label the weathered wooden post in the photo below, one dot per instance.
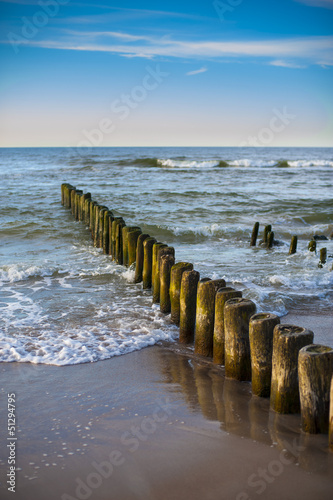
(204, 329)
(119, 241)
(147, 262)
(330, 424)
(162, 250)
(188, 306)
(237, 314)
(293, 245)
(312, 246)
(166, 263)
(287, 342)
(267, 230)
(175, 283)
(254, 235)
(222, 295)
(86, 211)
(78, 196)
(140, 257)
(92, 218)
(270, 239)
(315, 370)
(114, 235)
(106, 231)
(111, 219)
(155, 266)
(323, 257)
(132, 239)
(101, 226)
(72, 204)
(261, 330)
(126, 230)
(82, 213)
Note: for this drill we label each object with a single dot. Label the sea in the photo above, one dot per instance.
(63, 302)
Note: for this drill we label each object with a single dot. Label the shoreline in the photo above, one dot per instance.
(160, 423)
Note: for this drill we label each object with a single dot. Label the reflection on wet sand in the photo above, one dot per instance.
(205, 389)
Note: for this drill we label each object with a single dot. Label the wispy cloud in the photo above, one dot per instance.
(286, 64)
(327, 4)
(197, 71)
(294, 52)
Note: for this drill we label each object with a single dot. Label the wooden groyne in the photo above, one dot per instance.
(281, 360)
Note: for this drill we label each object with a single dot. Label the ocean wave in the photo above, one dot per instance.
(20, 272)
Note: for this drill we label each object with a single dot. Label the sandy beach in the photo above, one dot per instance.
(157, 424)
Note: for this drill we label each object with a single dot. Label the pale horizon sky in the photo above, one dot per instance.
(166, 74)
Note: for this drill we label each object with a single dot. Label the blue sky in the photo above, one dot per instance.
(176, 73)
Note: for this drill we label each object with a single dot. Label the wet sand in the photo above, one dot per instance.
(157, 424)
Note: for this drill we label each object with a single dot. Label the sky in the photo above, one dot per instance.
(176, 73)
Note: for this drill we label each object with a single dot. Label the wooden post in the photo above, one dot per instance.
(267, 230)
(330, 424)
(166, 263)
(270, 239)
(188, 306)
(132, 239)
(237, 314)
(204, 330)
(140, 257)
(106, 233)
(175, 283)
(126, 230)
(82, 214)
(162, 250)
(92, 218)
(101, 226)
(315, 370)
(155, 264)
(293, 245)
(115, 236)
(223, 294)
(147, 261)
(111, 219)
(254, 235)
(72, 205)
(312, 246)
(78, 195)
(323, 257)
(119, 241)
(287, 342)
(261, 330)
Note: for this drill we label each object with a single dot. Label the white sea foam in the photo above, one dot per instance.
(88, 343)
(188, 164)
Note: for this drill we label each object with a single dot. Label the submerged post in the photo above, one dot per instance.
(261, 330)
(188, 306)
(254, 235)
(204, 330)
(237, 314)
(287, 342)
(175, 283)
(315, 370)
(223, 294)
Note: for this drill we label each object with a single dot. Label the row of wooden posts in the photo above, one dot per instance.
(268, 242)
(281, 360)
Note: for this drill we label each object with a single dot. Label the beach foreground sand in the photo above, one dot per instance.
(156, 424)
